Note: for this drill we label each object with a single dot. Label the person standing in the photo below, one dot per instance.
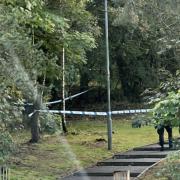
(160, 131)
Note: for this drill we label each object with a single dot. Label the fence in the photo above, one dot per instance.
(4, 173)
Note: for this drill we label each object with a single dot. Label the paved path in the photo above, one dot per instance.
(136, 160)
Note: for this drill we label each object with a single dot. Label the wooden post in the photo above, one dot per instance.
(121, 175)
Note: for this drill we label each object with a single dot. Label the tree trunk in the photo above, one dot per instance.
(64, 128)
(34, 122)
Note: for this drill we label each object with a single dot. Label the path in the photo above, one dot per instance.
(136, 160)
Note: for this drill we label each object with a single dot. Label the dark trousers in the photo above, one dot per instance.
(160, 131)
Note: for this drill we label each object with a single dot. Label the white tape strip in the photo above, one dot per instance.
(93, 113)
(70, 97)
(131, 111)
(55, 102)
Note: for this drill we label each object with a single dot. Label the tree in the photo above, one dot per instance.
(167, 111)
(20, 53)
(32, 40)
(137, 29)
(167, 100)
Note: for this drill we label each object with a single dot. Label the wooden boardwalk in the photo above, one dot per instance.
(136, 161)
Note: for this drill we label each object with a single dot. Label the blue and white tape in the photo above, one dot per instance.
(57, 101)
(131, 111)
(89, 113)
(70, 97)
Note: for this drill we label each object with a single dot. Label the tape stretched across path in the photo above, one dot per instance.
(57, 101)
(68, 98)
(133, 111)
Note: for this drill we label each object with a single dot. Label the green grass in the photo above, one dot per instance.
(56, 156)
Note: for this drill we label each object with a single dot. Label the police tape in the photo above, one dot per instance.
(68, 98)
(133, 111)
(54, 102)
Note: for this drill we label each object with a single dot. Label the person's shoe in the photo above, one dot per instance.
(162, 148)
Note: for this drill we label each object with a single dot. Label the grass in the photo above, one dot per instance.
(167, 169)
(56, 156)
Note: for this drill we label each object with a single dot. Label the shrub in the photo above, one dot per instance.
(167, 111)
(171, 170)
(50, 123)
(141, 120)
(6, 146)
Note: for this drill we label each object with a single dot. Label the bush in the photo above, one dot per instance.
(6, 146)
(10, 113)
(50, 123)
(167, 111)
(141, 120)
(171, 170)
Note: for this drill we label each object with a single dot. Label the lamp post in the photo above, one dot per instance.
(109, 120)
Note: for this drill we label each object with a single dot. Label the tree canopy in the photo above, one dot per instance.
(143, 38)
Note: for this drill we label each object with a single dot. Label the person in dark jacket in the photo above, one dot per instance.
(160, 131)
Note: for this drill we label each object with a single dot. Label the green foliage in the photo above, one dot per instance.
(34, 32)
(167, 111)
(25, 62)
(167, 99)
(50, 123)
(31, 41)
(135, 32)
(6, 146)
(10, 114)
(171, 168)
(169, 82)
(142, 120)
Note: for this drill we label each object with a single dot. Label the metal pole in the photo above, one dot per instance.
(109, 120)
(63, 86)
